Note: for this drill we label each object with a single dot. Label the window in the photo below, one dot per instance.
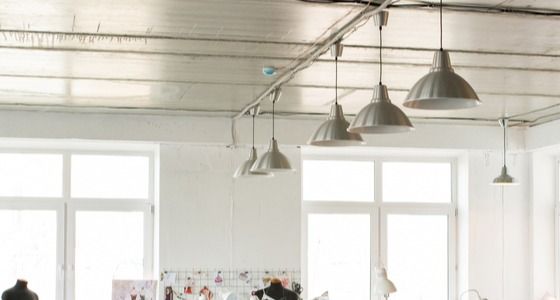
(108, 245)
(416, 243)
(332, 251)
(420, 182)
(104, 176)
(73, 220)
(329, 180)
(29, 246)
(31, 175)
(397, 213)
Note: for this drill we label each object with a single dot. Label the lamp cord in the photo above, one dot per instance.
(253, 130)
(503, 244)
(336, 79)
(504, 125)
(505, 142)
(441, 25)
(380, 55)
(273, 103)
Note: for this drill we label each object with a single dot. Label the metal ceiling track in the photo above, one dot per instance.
(373, 6)
(308, 59)
(463, 7)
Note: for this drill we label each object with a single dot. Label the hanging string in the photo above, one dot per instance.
(440, 25)
(380, 55)
(336, 79)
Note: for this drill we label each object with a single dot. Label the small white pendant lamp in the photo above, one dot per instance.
(380, 115)
(273, 160)
(382, 286)
(504, 179)
(333, 132)
(244, 170)
(441, 88)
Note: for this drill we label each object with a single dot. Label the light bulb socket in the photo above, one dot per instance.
(336, 49)
(380, 94)
(381, 18)
(275, 95)
(255, 110)
(441, 62)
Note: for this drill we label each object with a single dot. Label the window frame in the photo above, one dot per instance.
(378, 211)
(66, 206)
(556, 230)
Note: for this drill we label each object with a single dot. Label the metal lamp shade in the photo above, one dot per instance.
(442, 88)
(244, 170)
(380, 116)
(504, 178)
(272, 161)
(334, 131)
(382, 285)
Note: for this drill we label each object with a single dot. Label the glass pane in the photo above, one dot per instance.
(109, 245)
(416, 182)
(417, 257)
(339, 262)
(29, 250)
(101, 176)
(331, 180)
(30, 175)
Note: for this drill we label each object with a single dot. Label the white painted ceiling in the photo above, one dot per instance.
(206, 56)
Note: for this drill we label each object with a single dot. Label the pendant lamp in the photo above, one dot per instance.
(382, 285)
(441, 88)
(244, 170)
(273, 160)
(504, 179)
(380, 115)
(334, 131)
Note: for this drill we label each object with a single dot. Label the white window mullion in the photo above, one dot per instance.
(382, 238)
(149, 241)
(304, 252)
(452, 252)
(378, 182)
(70, 251)
(67, 275)
(557, 229)
(375, 245)
(60, 253)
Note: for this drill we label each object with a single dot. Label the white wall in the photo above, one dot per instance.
(542, 214)
(205, 130)
(196, 222)
(543, 142)
(494, 230)
(208, 219)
